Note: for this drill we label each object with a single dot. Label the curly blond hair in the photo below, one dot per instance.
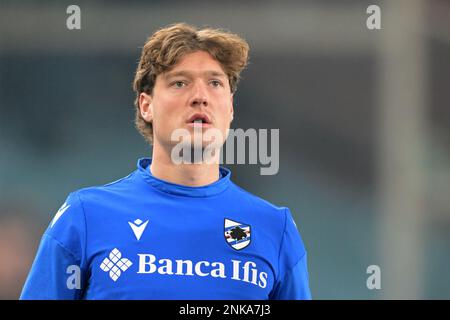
(164, 49)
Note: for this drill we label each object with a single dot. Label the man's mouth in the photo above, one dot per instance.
(199, 120)
(199, 124)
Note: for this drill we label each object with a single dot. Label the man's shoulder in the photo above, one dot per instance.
(261, 203)
(122, 185)
(78, 202)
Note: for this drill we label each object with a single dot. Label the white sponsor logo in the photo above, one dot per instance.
(115, 264)
(149, 264)
(246, 272)
(138, 227)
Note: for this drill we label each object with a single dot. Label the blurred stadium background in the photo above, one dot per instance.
(364, 119)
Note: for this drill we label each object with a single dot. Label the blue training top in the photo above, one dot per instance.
(144, 238)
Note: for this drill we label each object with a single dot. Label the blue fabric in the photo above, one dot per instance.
(144, 238)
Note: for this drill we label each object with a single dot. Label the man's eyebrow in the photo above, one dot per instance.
(190, 74)
(215, 73)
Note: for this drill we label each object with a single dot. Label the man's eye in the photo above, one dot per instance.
(216, 83)
(178, 84)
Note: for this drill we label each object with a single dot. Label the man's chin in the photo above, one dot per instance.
(198, 153)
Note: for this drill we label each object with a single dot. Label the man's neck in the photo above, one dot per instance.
(193, 175)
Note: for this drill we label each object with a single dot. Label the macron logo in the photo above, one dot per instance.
(138, 227)
(60, 212)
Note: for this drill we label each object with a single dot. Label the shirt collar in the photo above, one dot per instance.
(143, 166)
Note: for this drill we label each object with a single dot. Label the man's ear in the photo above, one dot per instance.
(145, 106)
(232, 108)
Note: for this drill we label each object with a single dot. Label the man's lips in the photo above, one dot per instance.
(199, 120)
(199, 124)
(199, 117)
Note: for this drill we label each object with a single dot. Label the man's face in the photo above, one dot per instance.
(194, 95)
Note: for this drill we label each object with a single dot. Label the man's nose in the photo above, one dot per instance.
(199, 96)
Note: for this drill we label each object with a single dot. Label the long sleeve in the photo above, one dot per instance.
(293, 279)
(57, 271)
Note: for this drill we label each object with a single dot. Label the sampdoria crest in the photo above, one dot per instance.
(237, 234)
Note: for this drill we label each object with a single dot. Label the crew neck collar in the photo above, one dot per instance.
(143, 165)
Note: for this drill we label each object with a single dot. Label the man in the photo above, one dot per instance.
(175, 229)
